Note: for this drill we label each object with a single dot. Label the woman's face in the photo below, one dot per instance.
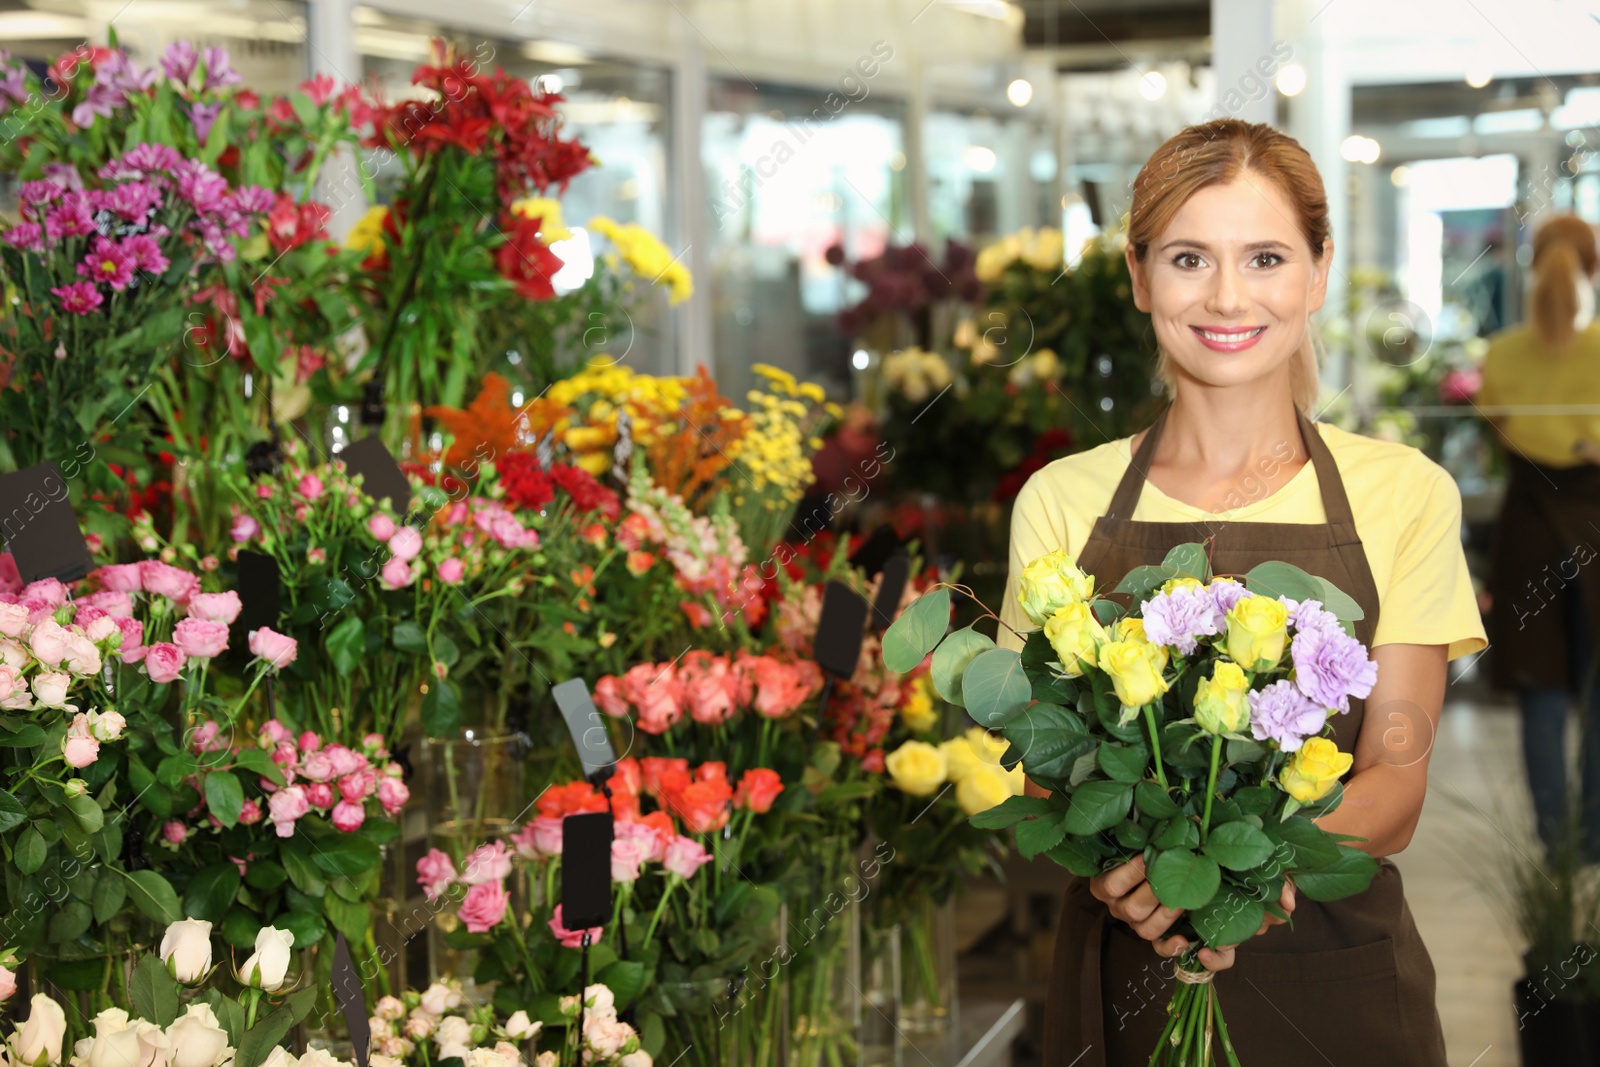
(1231, 284)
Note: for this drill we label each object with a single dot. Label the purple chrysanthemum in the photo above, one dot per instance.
(1181, 617)
(70, 218)
(146, 253)
(79, 298)
(203, 187)
(108, 262)
(132, 201)
(28, 236)
(1282, 713)
(39, 193)
(146, 158)
(1330, 667)
(1226, 594)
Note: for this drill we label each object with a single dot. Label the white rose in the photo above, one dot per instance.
(488, 1057)
(110, 1021)
(266, 967)
(390, 1008)
(454, 1037)
(546, 1058)
(419, 1025)
(106, 725)
(509, 1051)
(82, 657)
(436, 999)
(50, 688)
(378, 1059)
(197, 1039)
(114, 1048)
(638, 1058)
(280, 1057)
(601, 1002)
(186, 949)
(521, 1028)
(321, 1057)
(38, 1041)
(80, 1051)
(155, 1048)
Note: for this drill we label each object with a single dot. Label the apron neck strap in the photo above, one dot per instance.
(1334, 501)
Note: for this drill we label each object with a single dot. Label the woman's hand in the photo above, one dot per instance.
(1129, 897)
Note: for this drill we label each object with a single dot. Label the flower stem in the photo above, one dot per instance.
(1211, 785)
(1155, 743)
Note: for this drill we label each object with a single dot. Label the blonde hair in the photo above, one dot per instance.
(1561, 247)
(1214, 153)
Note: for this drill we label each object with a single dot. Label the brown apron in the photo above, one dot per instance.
(1349, 983)
(1546, 541)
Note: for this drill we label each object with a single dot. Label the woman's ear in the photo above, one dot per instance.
(1320, 267)
(1141, 286)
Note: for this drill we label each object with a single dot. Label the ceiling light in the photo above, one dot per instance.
(1153, 85)
(1291, 79)
(1019, 92)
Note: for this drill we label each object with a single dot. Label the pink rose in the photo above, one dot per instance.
(244, 529)
(348, 817)
(14, 619)
(308, 741)
(204, 738)
(317, 766)
(8, 984)
(406, 543)
(250, 813)
(310, 487)
(11, 682)
(48, 642)
(174, 832)
(487, 863)
(396, 573)
(163, 662)
(484, 907)
(381, 526)
(573, 938)
(120, 577)
(200, 638)
(79, 748)
(452, 571)
(82, 656)
(685, 856)
(711, 691)
(658, 694)
(286, 756)
(628, 853)
(393, 794)
(112, 602)
(652, 844)
(132, 650)
(273, 733)
(50, 688)
(101, 628)
(286, 806)
(49, 590)
(217, 607)
(608, 694)
(320, 795)
(435, 873)
(541, 837)
(276, 649)
(357, 787)
(174, 583)
(783, 687)
(344, 760)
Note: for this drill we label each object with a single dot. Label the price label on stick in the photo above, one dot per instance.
(258, 592)
(840, 629)
(896, 570)
(381, 476)
(38, 526)
(352, 998)
(587, 728)
(872, 555)
(586, 870)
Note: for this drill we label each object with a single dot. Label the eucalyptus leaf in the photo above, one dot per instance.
(995, 687)
(951, 659)
(917, 631)
(1189, 559)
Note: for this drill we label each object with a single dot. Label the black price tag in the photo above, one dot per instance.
(587, 728)
(352, 998)
(381, 475)
(840, 629)
(877, 549)
(38, 526)
(258, 592)
(586, 870)
(896, 571)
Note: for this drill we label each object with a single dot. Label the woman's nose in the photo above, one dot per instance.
(1228, 294)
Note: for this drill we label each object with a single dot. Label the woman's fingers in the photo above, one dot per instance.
(1118, 882)
(1157, 922)
(1217, 959)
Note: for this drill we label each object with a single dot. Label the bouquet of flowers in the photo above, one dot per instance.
(1187, 730)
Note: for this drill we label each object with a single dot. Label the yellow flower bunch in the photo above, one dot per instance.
(776, 451)
(647, 256)
(548, 211)
(915, 373)
(971, 762)
(597, 393)
(1042, 249)
(367, 234)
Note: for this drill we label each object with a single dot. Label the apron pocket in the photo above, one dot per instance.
(1337, 1005)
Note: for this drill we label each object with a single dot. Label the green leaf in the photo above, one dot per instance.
(1098, 806)
(1038, 835)
(1346, 876)
(211, 892)
(625, 978)
(1189, 559)
(1142, 582)
(12, 813)
(1011, 811)
(1107, 611)
(154, 991)
(86, 812)
(1254, 799)
(225, 796)
(1238, 846)
(350, 919)
(1311, 846)
(1077, 855)
(1131, 835)
(1124, 763)
(345, 643)
(259, 761)
(265, 874)
(917, 631)
(441, 709)
(264, 1036)
(1178, 832)
(308, 929)
(345, 854)
(29, 736)
(1276, 578)
(409, 637)
(445, 650)
(109, 895)
(154, 896)
(954, 654)
(1232, 916)
(70, 921)
(1050, 738)
(995, 687)
(302, 872)
(1154, 801)
(1184, 879)
(1336, 600)
(30, 851)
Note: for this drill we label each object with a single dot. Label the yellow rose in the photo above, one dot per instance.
(1016, 780)
(992, 261)
(917, 768)
(1313, 769)
(982, 789)
(1050, 583)
(988, 747)
(1221, 702)
(1075, 634)
(1258, 626)
(1133, 670)
(959, 758)
(1178, 583)
(1129, 628)
(1045, 250)
(918, 711)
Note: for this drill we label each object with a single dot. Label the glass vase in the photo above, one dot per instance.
(717, 1022)
(880, 995)
(928, 967)
(822, 944)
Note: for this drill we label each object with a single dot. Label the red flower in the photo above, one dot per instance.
(703, 807)
(587, 493)
(559, 801)
(528, 486)
(652, 769)
(527, 262)
(627, 778)
(320, 89)
(758, 788)
(290, 225)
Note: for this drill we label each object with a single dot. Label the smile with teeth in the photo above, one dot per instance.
(1237, 335)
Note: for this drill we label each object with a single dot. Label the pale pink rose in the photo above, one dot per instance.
(48, 642)
(217, 607)
(8, 984)
(316, 766)
(101, 628)
(627, 854)
(310, 487)
(711, 691)
(608, 694)
(204, 737)
(652, 843)
(685, 856)
(452, 571)
(79, 748)
(381, 526)
(393, 794)
(419, 1025)
(200, 638)
(358, 786)
(344, 760)
(523, 841)
(605, 1036)
(13, 654)
(406, 543)
(348, 817)
(110, 601)
(250, 813)
(174, 832)
(320, 795)
(573, 938)
(82, 656)
(163, 662)
(396, 573)
(435, 874)
(244, 528)
(287, 806)
(484, 907)
(132, 650)
(273, 733)
(49, 590)
(13, 619)
(107, 725)
(10, 682)
(174, 583)
(50, 688)
(120, 577)
(275, 648)
(547, 835)
(487, 863)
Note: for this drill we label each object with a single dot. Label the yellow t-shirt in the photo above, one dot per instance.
(1407, 510)
(1520, 372)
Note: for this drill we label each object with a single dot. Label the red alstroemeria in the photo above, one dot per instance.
(320, 89)
(264, 292)
(290, 225)
(527, 262)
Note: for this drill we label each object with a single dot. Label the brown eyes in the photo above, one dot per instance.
(1260, 259)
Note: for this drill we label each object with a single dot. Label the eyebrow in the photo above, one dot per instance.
(1253, 246)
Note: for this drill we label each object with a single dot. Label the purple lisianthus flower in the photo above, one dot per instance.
(204, 116)
(1310, 615)
(1181, 617)
(102, 100)
(219, 71)
(72, 217)
(179, 61)
(118, 72)
(1282, 713)
(13, 84)
(28, 236)
(146, 253)
(108, 262)
(79, 298)
(1330, 667)
(201, 186)
(1226, 594)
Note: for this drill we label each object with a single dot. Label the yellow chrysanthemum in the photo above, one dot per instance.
(646, 256)
(367, 234)
(548, 211)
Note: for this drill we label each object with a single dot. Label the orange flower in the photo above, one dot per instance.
(758, 788)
